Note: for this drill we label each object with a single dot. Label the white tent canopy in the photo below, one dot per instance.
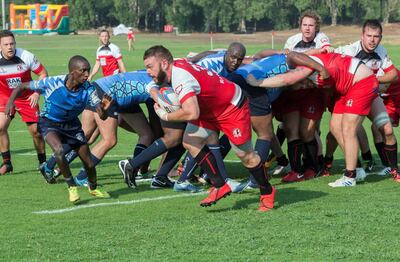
(120, 30)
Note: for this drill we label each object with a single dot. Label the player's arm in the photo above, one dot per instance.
(189, 111)
(270, 52)
(295, 59)
(198, 57)
(389, 77)
(95, 69)
(286, 79)
(15, 93)
(103, 106)
(121, 66)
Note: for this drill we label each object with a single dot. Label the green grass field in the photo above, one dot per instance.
(311, 222)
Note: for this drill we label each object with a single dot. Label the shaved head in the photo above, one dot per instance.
(77, 62)
(234, 56)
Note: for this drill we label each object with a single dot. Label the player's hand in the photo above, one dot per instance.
(327, 49)
(34, 99)
(106, 102)
(251, 80)
(8, 110)
(160, 112)
(324, 74)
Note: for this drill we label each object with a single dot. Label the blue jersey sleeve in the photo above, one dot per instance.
(94, 99)
(47, 84)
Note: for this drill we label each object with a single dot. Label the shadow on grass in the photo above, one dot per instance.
(283, 197)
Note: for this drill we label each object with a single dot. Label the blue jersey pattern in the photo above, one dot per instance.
(265, 68)
(61, 104)
(215, 62)
(126, 88)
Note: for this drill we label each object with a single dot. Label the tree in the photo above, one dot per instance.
(389, 8)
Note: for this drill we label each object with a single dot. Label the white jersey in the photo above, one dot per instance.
(377, 60)
(296, 43)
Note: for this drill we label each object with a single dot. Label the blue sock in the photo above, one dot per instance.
(173, 156)
(82, 173)
(216, 151)
(189, 166)
(154, 150)
(51, 163)
(71, 156)
(262, 148)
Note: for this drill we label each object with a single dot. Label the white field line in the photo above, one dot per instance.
(131, 202)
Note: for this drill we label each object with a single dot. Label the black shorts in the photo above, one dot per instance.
(70, 132)
(258, 98)
(115, 108)
(173, 125)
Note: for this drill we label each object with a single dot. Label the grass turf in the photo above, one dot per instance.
(311, 222)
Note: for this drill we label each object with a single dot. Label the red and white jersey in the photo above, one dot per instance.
(341, 69)
(376, 60)
(108, 56)
(296, 43)
(214, 93)
(17, 70)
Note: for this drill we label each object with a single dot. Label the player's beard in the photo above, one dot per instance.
(161, 77)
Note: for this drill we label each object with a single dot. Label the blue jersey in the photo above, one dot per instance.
(126, 88)
(60, 103)
(264, 68)
(215, 62)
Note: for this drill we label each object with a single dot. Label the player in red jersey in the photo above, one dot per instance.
(208, 111)
(355, 87)
(108, 57)
(16, 65)
(131, 39)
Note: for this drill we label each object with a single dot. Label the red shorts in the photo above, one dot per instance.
(359, 97)
(234, 123)
(22, 106)
(309, 103)
(392, 104)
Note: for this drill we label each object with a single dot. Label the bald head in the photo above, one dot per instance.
(78, 62)
(234, 56)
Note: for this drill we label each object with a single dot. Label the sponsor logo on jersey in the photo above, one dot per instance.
(2, 70)
(349, 103)
(178, 89)
(311, 110)
(13, 82)
(20, 67)
(236, 133)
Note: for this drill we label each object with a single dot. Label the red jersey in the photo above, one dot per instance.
(341, 69)
(108, 56)
(214, 93)
(17, 70)
(130, 35)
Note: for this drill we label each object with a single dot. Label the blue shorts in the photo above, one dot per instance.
(258, 98)
(115, 108)
(70, 132)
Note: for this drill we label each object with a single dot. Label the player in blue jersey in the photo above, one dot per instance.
(65, 97)
(128, 92)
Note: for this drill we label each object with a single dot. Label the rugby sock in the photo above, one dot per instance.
(262, 147)
(207, 161)
(281, 135)
(282, 160)
(295, 148)
(350, 173)
(70, 181)
(6, 157)
(367, 155)
(260, 175)
(328, 160)
(41, 157)
(391, 155)
(311, 150)
(189, 166)
(51, 163)
(92, 186)
(154, 150)
(173, 156)
(82, 173)
(216, 151)
(379, 149)
(320, 159)
(225, 145)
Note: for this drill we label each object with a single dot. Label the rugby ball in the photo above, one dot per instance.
(168, 100)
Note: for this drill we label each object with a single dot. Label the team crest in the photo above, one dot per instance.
(311, 110)
(236, 133)
(349, 103)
